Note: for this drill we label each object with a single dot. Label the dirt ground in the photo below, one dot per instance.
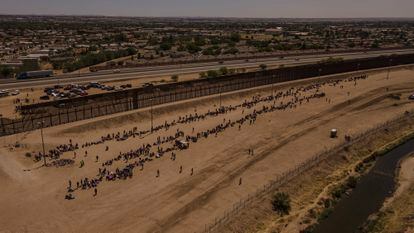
(309, 190)
(32, 199)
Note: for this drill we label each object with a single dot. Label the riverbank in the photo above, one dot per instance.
(352, 210)
(397, 214)
(311, 191)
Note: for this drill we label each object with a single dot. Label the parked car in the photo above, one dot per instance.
(15, 92)
(411, 97)
(67, 87)
(108, 88)
(60, 105)
(63, 95)
(95, 85)
(4, 93)
(45, 97)
(83, 93)
(126, 86)
(148, 85)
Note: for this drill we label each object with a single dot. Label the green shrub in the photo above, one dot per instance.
(281, 203)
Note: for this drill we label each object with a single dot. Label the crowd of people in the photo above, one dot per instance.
(56, 152)
(289, 99)
(251, 109)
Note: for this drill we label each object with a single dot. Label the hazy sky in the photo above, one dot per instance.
(224, 8)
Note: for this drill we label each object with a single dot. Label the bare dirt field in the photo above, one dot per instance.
(252, 139)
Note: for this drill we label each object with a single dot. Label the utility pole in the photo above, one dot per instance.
(43, 142)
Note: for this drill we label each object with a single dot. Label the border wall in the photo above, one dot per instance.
(69, 110)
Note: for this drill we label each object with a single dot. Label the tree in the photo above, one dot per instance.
(212, 74)
(213, 50)
(375, 44)
(351, 182)
(120, 38)
(231, 50)
(351, 44)
(165, 46)
(281, 203)
(223, 70)
(202, 74)
(5, 71)
(263, 66)
(131, 51)
(174, 78)
(193, 48)
(199, 41)
(235, 37)
(93, 48)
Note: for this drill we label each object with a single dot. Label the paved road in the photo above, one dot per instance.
(148, 72)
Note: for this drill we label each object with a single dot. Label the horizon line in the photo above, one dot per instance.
(207, 17)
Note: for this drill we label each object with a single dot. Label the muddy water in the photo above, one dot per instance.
(369, 195)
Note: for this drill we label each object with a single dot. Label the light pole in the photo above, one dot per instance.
(389, 68)
(41, 124)
(152, 118)
(2, 125)
(220, 93)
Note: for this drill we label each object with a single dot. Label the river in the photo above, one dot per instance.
(368, 196)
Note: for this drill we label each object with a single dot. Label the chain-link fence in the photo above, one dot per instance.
(298, 170)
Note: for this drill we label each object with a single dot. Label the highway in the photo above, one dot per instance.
(157, 71)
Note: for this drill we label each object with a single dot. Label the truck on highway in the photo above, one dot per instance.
(35, 74)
